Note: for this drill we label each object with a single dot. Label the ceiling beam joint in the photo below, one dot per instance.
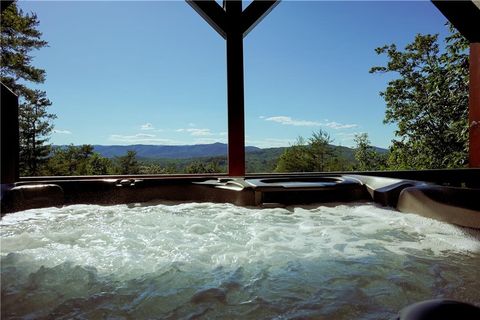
(212, 13)
(255, 12)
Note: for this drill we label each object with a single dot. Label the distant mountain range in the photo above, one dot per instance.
(168, 152)
(193, 151)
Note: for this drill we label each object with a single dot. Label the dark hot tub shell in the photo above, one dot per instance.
(459, 206)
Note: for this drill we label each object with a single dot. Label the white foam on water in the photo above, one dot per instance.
(204, 259)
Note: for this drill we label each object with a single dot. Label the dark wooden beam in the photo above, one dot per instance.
(235, 90)
(464, 15)
(212, 12)
(9, 136)
(233, 24)
(474, 106)
(255, 12)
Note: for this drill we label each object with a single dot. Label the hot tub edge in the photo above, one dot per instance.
(453, 205)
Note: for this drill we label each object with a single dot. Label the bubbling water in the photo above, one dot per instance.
(217, 261)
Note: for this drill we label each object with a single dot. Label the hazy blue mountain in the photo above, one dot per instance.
(201, 150)
(168, 152)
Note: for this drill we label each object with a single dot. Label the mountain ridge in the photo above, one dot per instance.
(188, 151)
(168, 151)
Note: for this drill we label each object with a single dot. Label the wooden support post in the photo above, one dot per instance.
(474, 106)
(9, 136)
(233, 24)
(235, 89)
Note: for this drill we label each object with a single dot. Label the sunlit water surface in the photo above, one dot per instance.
(220, 261)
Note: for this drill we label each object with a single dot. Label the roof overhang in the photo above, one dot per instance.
(464, 15)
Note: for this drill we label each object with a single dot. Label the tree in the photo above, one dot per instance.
(157, 169)
(77, 160)
(99, 165)
(312, 155)
(295, 158)
(128, 163)
(34, 133)
(19, 36)
(320, 151)
(211, 166)
(368, 158)
(428, 101)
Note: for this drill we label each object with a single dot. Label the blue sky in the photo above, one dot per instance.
(154, 72)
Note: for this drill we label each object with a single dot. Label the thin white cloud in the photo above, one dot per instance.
(197, 132)
(139, 138)
(285, 120)
(62, 131)
(292, 122)
(147, 126)
(336, 125)
(270, 142)
(344, 136)
(348, 134)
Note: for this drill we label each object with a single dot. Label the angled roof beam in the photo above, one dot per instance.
(464, 15)
(255, 12)
(211, 12)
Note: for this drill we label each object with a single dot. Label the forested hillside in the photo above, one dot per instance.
(87, 160)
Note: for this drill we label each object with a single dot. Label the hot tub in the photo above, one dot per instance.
(207, 260)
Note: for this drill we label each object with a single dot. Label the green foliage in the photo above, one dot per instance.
(19, 37)
(337, 162)
(77, 160)
(34, 133)
(264, 160)
(367, 157)
(320, 152)
(99, 165)
(296, 158)
(428, 101)
(198, 167)
(128, 163)
(181, 166)
(152, 168)
(312, 155)
(83, 160)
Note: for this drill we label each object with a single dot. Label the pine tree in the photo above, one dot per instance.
(320, 151)
(295, 158)
(366, 155)
(128, 163)
(312, 155)
(34, 130)
(19, 36)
